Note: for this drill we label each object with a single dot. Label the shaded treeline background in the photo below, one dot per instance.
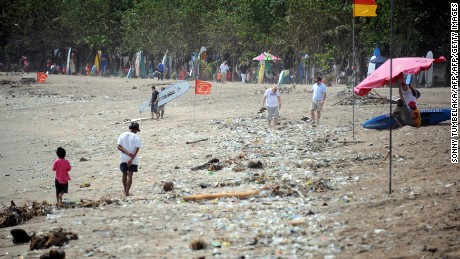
(235, 30)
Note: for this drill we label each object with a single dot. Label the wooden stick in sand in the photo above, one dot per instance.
(196, 141)
(350, 141)
(239, 195)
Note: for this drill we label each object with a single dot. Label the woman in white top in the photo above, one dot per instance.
(406, 92)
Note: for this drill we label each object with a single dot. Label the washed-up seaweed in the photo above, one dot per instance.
(54, 238)
(15, 215)
(347, 96)
(205, 165)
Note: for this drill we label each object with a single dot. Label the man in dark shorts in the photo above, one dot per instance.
(128, 145)
(154, 103)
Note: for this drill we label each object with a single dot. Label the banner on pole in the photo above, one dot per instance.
(364, 8)
(202, 87)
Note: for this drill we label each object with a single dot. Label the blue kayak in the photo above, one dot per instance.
(429, 117)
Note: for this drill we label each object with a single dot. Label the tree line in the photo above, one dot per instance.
(236, 30)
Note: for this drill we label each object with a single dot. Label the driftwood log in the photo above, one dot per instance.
(297, 222)
(196, 141)
(240, 195)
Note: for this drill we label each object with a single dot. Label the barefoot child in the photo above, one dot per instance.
(62, 168)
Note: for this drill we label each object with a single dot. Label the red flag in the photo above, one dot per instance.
(202, 87)
(364, 8)
(41, 77)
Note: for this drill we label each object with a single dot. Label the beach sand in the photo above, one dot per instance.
(322, 193)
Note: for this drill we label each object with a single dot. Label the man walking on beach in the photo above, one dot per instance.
(128, 145)
(319, 96)
(244, 70)
(154, 103)
(223, 72)
(161, 70)
(272, 101)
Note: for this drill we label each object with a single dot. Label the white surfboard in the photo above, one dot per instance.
(138, 64)
(409, 79)
(134, 120)
(420, 77)
(165, 60)
(68, 62)
(429, 72)
(282, 77)
(168, 94)
(371, 67)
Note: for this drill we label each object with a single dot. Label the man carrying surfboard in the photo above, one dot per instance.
(154, 103)
(161, 108)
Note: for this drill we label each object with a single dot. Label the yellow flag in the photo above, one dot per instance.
(364, 8)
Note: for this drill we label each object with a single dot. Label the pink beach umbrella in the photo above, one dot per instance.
(381, 76)
(266, 56)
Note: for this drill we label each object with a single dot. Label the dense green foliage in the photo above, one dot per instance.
(230, 29)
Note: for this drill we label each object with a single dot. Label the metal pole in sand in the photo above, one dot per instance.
(194, 104)
(391, 91)
(353, 79)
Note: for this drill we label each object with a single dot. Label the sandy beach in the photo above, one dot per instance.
(322, 193)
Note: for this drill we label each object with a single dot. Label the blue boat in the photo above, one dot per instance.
(429, 117)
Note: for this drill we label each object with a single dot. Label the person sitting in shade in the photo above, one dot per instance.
(402, 114)
(409, 95)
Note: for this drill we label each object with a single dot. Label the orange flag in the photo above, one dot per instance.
(364, 8)
(202, 87)
(41, 77)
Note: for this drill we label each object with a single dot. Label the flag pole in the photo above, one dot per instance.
(353, 79)
(391, 92)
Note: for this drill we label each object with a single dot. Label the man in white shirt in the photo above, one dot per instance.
(223, 72)
(272, 101)
(319, 96)
(128, 145)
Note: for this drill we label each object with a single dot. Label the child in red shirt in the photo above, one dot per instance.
(62, 167)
